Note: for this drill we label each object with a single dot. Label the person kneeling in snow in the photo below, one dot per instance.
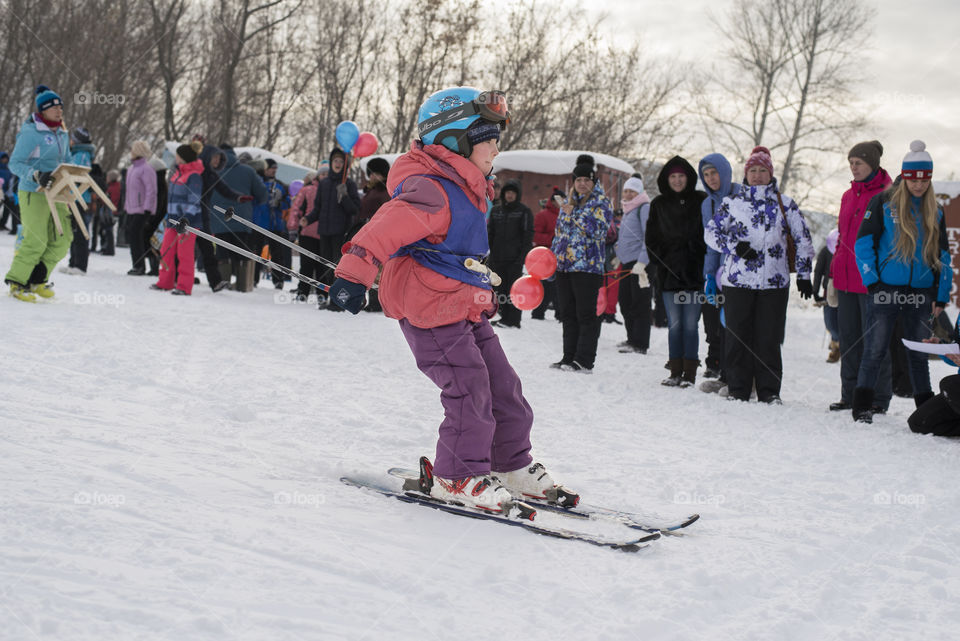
(421, 238)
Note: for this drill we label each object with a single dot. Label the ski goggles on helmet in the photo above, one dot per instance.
(489, 105)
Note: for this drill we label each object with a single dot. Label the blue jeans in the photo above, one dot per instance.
(913, 307)
(683, 319)
(831, 322)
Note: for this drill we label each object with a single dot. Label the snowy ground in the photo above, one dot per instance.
(170, 471)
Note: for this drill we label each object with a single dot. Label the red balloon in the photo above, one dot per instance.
(366, 144)
(540, 263)
(526, 293)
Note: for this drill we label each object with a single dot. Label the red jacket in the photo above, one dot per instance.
(545, 224)
(843, 269)
(408, 289)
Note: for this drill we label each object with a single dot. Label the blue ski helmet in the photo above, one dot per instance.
(446, 115)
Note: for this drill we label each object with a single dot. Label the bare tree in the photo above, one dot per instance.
(789, 75)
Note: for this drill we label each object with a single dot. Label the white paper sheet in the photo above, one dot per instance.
(933, 348)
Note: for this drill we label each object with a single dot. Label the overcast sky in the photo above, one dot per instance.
(911, 72)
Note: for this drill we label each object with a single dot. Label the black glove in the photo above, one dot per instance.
(349, 295)
(745, 251)
(817, 298)
(873, 288)
(43, 178)
(805, 287)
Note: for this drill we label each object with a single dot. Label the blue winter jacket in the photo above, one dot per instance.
(267, 215)
(710, 206)
(243, 180)
(5, 174)
(82, 154)
(876, 251)
(38, 148)
(184, 193)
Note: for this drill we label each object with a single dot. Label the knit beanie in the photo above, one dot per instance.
(189, 153)
(634, 183)
(868, 152)
(139, 149)
(584, 168)
(917, 165)
(482, 131)
(378, 166)
(759, 156)
(46, 98)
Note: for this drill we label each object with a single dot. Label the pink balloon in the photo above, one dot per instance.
(526, 293)
(366, 144)
(540, 263)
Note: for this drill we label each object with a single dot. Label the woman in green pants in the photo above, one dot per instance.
(42, 145)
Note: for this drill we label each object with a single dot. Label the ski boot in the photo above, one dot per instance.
(21, 293)
(534, 482)
(482, 492)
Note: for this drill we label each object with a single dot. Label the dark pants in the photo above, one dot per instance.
(549, 298)
(755, 322)
(577, 299)
(237, 263)
(279, 254)
(899, 366)
(487, 421)
(14, 210)
(937, 416)
(715, 332)
(508, 273)
(107, 224)
(635, 307)
(308, 266)
(913, 308)
(851, 325)
(79, 248)
(329, 248)
(208, 254)
(138, 247)
(659, 311)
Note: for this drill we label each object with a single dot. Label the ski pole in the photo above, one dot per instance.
(182, 227)
(230, 214)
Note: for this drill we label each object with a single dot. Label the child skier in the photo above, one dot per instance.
(183, 200)
(442, 191)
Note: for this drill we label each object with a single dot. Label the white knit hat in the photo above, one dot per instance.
(634, 183)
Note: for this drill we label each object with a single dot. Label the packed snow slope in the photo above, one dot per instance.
(170, 470)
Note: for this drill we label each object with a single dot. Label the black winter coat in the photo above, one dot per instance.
(334, 218)
(510, 229)
(675, 231)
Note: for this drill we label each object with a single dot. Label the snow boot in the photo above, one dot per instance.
(840, 406)
(862, 404)
(675, 365)
(43, 290)
(22, 293)
(534, 482)
(712, 385)
(689, 372)
(576, 367)
(923, 397)
(834, 355)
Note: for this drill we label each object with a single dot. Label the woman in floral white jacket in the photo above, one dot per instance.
(750, 231)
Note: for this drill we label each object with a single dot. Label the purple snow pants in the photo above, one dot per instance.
(487, 421)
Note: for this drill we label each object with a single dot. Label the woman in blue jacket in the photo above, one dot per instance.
(42, 145)
(904, 259)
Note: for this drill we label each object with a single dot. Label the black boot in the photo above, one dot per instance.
(922, 398)
(862, 404)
